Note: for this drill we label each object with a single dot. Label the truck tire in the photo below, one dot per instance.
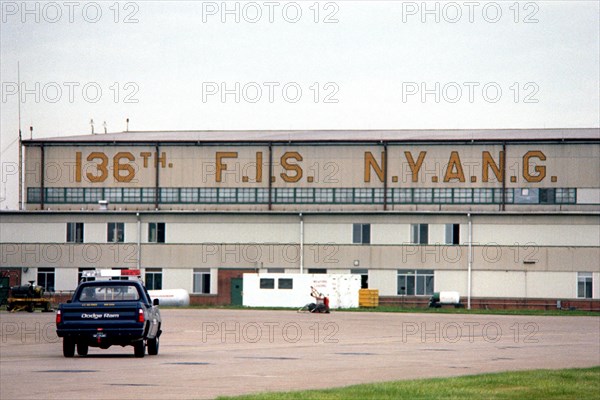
(68, 347)
(153, 345)
(82, 349)
(139, 348)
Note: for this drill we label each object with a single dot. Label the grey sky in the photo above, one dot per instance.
(370, 59)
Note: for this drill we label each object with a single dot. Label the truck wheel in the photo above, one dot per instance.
(139, 348)
(82, 349)
(153, 345)
(68, 347)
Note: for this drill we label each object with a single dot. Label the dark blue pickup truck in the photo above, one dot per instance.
(106, 313)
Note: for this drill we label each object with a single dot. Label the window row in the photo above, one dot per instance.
(419, 234)
(361, 233)
(305, 195)
(410, 282)
(115, 232)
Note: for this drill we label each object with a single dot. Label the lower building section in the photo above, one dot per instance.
(410, 287)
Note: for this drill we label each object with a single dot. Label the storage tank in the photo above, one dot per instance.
(445, 298)
(171, 297)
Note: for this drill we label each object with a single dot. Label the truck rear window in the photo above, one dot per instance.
(109, 293)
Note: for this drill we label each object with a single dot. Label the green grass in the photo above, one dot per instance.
(537, 384)
(396, 309)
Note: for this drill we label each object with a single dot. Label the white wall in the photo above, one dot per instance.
(541, 235)
(386, 281)
(342, 290)
(232, 233)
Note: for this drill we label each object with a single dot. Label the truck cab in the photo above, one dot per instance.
(106, 313)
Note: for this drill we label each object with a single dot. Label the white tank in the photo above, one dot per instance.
(449, 297)
(171, 297)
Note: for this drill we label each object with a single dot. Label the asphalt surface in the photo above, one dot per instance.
(207, 353)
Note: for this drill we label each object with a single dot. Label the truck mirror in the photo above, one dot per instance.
(155, 302)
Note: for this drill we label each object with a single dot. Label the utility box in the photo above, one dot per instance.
(368, 298)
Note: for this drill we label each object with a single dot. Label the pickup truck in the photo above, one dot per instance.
(106, 313)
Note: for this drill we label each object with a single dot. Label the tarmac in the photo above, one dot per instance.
(205, 353)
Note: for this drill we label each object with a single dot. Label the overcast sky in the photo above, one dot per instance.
(294, 65)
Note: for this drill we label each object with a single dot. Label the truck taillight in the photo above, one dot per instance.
(141, 317)
(58, 317)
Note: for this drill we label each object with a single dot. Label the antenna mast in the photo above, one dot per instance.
(20, 137)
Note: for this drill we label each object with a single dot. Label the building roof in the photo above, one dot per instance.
(327, 136)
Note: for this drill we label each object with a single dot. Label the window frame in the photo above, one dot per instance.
(157, 232)
(75, 232)
(205, 281)
(361, 233)
(116, 232)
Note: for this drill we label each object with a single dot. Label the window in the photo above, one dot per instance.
(75, 195)
(422, 195)
(344, 195)
(284, 195)
(402, 195)
(202, 280)
(113, 195)
(227, 195)
(463, 196)
(247, 195)
(452, 233)
(116, 232)
(55, 195)
(156, 232)
(189, 195)
(323, 195)
(132, 195)
(361, 233)
(153, 278)
(285, 283)
(565, 196)
(483, 196)
(207, 195)
(584, 285)
(364, 277)
(80, 274)
(34, 195)
(74, 232)
(317, 271)
(275, 270)
(267, 283)
(442, 195)
(305, 195)
(547, 196)
(169, 195)
(415, 282)
(363, 195)
(93, 195)
(45, 278)
(420, 233)
(148, 195)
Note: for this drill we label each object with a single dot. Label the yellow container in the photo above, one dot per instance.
(368, 298)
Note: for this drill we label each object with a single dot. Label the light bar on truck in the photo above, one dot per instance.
(111, 273)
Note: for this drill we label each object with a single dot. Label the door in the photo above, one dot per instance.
(236, 291)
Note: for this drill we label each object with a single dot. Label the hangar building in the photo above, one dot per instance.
(502, 216)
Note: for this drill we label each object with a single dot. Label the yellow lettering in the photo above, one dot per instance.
(454, 164)
(162, 159)
(78, 166)
(291, 167)
(488, 162)
(145, 156)
(259, 166)
(220, 165)
(118, 167)
(540, 169)
(101, 167)
(371, 162)
(415, 167)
